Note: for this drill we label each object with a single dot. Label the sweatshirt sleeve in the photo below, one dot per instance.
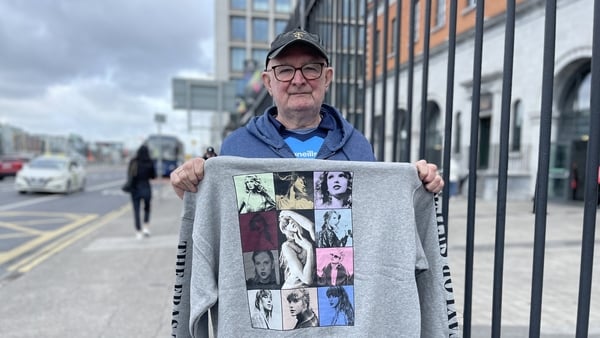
(438, 314)
(183, 270)
(206, 255)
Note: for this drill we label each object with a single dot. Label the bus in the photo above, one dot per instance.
(167, 153)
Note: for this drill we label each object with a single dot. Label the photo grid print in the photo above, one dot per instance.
(297, 246)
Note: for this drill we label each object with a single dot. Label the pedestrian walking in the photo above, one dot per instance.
(141, 170)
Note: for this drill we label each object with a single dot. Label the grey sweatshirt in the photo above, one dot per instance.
(382, 271)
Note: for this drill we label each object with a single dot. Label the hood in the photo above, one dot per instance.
(262, 128)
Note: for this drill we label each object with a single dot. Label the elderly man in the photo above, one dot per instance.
(297, 75)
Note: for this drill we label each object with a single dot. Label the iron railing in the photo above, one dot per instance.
(377, 94)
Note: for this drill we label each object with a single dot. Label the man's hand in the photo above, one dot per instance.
(187, 176)
(428, 173)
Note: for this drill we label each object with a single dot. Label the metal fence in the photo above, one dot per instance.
(376, 87)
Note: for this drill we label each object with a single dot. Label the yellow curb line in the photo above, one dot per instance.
(30, 262)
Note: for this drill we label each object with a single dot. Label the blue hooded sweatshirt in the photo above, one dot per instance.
(260, 138)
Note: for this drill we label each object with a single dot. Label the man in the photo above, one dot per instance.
(264, 271)
(299, 302)
(297, 75)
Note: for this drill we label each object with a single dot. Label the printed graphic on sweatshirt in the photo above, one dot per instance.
(255, 193)
(333, 189)
(297, 246)
(294, 190)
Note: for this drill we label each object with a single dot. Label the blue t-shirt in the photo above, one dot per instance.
(305, 143)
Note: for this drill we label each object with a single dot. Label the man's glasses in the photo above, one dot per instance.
(310, 71)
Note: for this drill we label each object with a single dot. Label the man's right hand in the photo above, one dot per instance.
(187, 176)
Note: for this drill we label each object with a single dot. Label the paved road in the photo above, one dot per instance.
(101, 283)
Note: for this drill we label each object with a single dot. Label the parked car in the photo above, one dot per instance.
(51, 173)
(10, 164)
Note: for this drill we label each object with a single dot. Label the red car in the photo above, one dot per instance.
(10, 164)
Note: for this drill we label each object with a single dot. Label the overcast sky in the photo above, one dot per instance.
(100, 68)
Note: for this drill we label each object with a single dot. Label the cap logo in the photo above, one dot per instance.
(298, 35)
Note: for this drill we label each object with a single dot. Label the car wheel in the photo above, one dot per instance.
(68, 189)
(22, 192)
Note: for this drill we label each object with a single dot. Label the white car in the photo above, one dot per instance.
(51, 173)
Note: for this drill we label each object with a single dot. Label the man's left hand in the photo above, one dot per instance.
(428, 173)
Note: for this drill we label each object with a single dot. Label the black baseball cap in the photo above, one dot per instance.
(297, 35)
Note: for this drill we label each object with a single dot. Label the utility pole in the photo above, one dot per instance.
(160, 119)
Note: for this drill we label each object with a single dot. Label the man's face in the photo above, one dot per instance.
(298, 95)
(263, 266)
(297, 307)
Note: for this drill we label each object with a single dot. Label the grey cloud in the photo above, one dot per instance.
(138, 44)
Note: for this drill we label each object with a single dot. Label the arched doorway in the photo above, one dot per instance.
(401, 135)
(570, 149)
(433, 134)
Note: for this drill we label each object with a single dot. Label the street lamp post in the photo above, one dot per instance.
(160, 119)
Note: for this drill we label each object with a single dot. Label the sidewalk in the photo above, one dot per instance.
(561, 268)
(110, 285)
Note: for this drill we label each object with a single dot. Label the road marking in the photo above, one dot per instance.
(54, 197)
(48, 251)
(21, 249)
(131, 243)
(105, 185)
(29, 202)
(19, 228)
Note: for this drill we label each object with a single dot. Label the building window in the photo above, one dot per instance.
(376, 47)
(283, 6)
(577, 93)
(517, 124)
(433, 134)
(394, 36)
(440, 13)
(401, 118)
(351, 9)
(238, 28)
(260, 30)
(348, 71)
(240, 86)
(471, 3)
(237, 4)
(457, 133)
(259, 55)
(417, 19)
(238, 55)
(582, 99)
(280, 26)
(361, 35)
(347, 32)
(260, 5)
